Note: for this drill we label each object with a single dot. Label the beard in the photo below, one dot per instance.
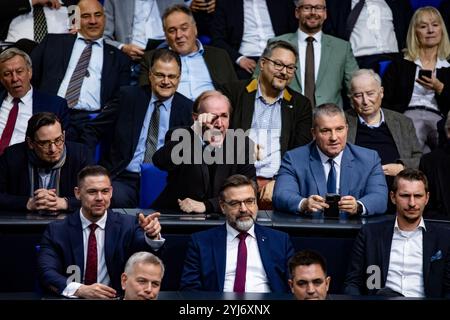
(244, 225)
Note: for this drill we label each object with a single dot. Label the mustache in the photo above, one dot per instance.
(282, 76)
(244, 215)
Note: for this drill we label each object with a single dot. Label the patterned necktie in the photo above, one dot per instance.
(331, 181)
(76, 81)
(241, 266)
(39, 23)
(9, 127)
(90, 276)
(310, 81)
(352, 18)
(152, 134)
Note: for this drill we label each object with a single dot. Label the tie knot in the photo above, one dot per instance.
(242, 236)
(88, 41)
(310, 39)
(158, 104)
(331, 162)
(16, 100)
(93, 227)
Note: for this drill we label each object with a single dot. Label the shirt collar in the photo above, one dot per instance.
(440, 63)
(302, 36)
(166, 103)
(98, 41)
(324, 158)
(259, 96)
(421, 225)
(27, 99)
(234, 233)
(376, 125)
(85, 223)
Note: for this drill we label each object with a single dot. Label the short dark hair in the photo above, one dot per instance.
(237, 180)
(39, 120)
(90, 171)
(279, 44)
(329, 109)
(410, 175)
(206, 95)
(306, 258)
(177, 8)
(165, 55)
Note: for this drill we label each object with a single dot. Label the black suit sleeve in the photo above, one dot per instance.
(303, 123)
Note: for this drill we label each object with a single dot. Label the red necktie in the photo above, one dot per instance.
(241, 266)
(10, 124)
(90, 276)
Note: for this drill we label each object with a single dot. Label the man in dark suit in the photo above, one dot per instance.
(208, 154)
(407, 257)
(15, 76)
(40, 174)
(56, 58)
(126, 124)
(239, 256)
(242, 29)
(279, 118)
(204, 67)
(68, 266)
(379, 32)
(330, 164)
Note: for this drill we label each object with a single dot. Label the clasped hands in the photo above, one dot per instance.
(316, 203)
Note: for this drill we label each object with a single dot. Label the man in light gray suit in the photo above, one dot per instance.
(333, 58)
(388, 132)
(129, 24)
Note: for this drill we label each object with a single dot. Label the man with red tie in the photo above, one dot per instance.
(239, 256)
(84, 255)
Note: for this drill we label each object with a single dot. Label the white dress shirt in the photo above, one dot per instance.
(22, 26)
(90, 89)
(24, 114)
(317, 45)
(147, 22)
(405, 274)
(256, 277)
(257, 28)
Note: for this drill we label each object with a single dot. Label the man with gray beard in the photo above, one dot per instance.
(239, 256)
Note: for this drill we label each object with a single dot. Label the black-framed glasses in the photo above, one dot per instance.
(280, 66)
(309, 8)
(46, 144)
(236, 204)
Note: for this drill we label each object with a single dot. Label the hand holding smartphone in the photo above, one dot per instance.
(426, 73)
(332, 199)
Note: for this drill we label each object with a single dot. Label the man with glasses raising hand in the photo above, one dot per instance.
(41, 173)
(239, 256)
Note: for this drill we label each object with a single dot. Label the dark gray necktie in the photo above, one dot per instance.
(310, 80)
(352, 18)
(152, 134)
(39, 23)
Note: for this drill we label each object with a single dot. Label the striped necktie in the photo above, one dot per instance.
(76, 81)
(152, 134)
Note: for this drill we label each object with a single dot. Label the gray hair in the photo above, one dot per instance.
(364, 72)
(12, 52)
(327, 109)
(143, 257)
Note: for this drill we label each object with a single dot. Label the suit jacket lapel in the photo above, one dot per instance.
(384, 250)
(428, 245)
(325, 56)
(286, 121)
(248, 104)
(108, 57)
(76, 240)
(220, 251)
(394, 127)
(346, 172)
(139, 115)
(266, 259)
(112, 229)
(298, 77)
(67, 48)
(317, 170)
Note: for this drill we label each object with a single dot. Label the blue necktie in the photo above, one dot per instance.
(331, 181)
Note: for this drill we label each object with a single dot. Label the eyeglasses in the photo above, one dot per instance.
(280, 66)
(162, 76)
(309, 8)
(236, 204)
(48, 143)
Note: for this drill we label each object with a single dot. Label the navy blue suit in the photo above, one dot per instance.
(122, 122)
(373, 247)
(51, 59)
(301, 174)
(44, 102)
(15, 180)
(204, 267)
(62, 246)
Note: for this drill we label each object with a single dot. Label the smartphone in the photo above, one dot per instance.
(332, 200)
(424, 72)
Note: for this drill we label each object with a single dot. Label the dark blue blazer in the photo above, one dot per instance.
(15, 180)
(44, 102)
(301, 175)
(51, 59)
(204, 267)
(120, 123)
(62, 246)
(373, 247)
